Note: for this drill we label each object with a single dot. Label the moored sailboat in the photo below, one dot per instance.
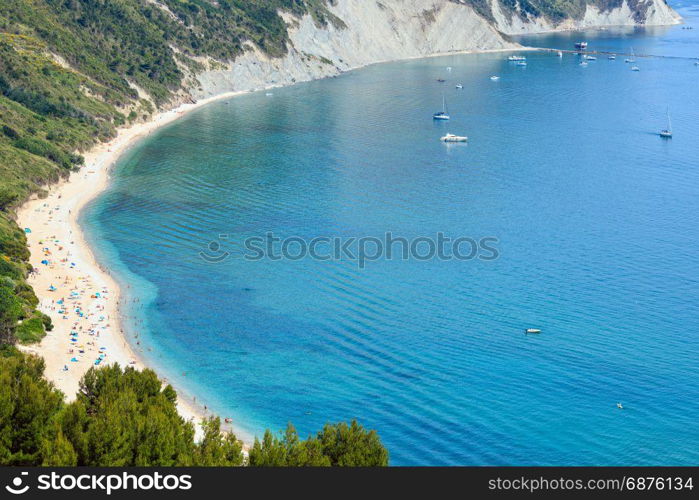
(667, 133)
(444, 114)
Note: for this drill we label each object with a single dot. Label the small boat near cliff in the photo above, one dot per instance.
(532, 331)
(516, 58)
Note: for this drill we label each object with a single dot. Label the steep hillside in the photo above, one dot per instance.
(73, 71)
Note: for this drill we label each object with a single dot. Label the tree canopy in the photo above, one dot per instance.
(125, 417)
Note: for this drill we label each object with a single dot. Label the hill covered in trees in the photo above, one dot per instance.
(125, 417)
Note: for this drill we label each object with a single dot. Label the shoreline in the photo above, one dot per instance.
(75, 274)
(74, 268)
(94, 309)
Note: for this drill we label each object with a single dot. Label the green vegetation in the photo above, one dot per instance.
(70, 74)
(127, 418)
(339, 445)
(555, 10)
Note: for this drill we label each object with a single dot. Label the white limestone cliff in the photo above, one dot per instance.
(375, 31)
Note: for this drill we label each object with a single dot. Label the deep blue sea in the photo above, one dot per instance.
(597, 222)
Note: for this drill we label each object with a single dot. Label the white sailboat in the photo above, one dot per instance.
(667, 133)
(444, 114)
(631, 59)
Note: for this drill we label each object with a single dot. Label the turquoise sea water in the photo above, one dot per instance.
(598, 226)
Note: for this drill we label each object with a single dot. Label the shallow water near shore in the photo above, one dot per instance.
(597, 223)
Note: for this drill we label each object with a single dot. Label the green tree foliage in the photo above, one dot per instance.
(217, 448)
(124, 417)
(337, 445)
(10, 312)
(29, 409)
(352, 446)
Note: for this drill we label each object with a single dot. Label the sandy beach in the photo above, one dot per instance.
(73, 288)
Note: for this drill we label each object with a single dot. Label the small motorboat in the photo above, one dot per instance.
(521, 63)
(459, 86)
(441, 80)
(583, 63)
(635, 68)
(454, 138)
(532, 330)
(560, 54)
(620, 406)
(590, 58)
(495, 78)
(516, 58)
(611, 57)
(581, 45)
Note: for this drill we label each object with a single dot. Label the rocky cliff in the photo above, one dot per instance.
(371, 31)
